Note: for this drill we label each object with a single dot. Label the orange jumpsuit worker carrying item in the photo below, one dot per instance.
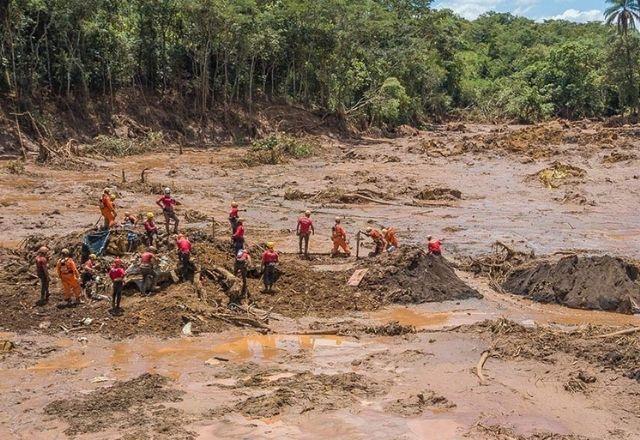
(389, 235)
(339, 238)
(69, 276)
(168, 204)
(304, 229)
(107, 209)
(378, 240)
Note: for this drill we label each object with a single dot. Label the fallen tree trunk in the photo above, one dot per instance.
(483, 358)
(628, 331)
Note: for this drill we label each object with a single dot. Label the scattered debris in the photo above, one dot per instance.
(415, 405)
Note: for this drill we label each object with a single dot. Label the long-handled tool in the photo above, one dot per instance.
(358, 245)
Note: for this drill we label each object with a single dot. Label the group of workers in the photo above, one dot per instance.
(76, 282)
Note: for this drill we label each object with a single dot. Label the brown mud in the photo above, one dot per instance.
(334, 360)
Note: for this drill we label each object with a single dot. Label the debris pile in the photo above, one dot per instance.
(597, 282)
(416, 404)
(559, 173)
(436, 193)
(409, 275)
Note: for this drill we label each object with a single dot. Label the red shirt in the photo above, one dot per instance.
(184, 245)
(88, 266)
(41, 263)
(375, 234)
(146, 257)
(167, 202)
(239, 233)
(304, 225)
(233, 213)
(116, 272)
(269, 256)
(150, 226)
(435, 246)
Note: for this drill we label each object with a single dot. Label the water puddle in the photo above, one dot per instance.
(406, 316)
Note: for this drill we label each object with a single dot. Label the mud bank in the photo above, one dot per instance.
(597, 283)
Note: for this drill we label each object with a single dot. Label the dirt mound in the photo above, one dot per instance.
(509, 340)
(559, 173)
(409, 275)
(599, 283)
(130, 405)
(437, 193)
(416, 405)
(497, 432)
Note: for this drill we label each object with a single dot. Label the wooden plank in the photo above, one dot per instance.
(357, 277)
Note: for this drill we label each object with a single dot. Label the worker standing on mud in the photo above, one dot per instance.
(129, 221)
(184, 255)
(107, 209)
(389, 235)
(238, 237)
(270, 260)
(434, 246)
(42, 270)
(117, 274)
(70, 278)
(147, 269)
(378, 240)
(339, 238)
(168, 204)
(88, 277)
(241, 267)
(304, 229)
(234, 216)
(150, 229)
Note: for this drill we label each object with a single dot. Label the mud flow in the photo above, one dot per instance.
(525, 327)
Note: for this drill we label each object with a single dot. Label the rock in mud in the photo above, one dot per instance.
(409, 275)
(415, 405)
(597, 283)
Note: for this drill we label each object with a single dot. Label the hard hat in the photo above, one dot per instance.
(270, 244)
(127, 213)
(240, 220)
(180, 236)
(149, 214)
(65, 251)
(234, 204)
(152, 249)
(369, 229)
(167, 190)
(307, 213)
(106, 190)
(93, 256)
(429, 237)
(240, 253)
(117, 262)
(43, 250)
(337, 219)
(385, 230)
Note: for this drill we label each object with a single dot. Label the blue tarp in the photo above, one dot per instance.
(95, 243)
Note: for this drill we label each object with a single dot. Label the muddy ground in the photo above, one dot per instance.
(334, 360)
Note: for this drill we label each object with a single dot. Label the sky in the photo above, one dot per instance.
(573, 10)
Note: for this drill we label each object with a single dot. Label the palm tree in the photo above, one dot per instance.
(625, 13)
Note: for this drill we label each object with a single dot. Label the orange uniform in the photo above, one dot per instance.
(339, 238)
(69, 275)
(107, 210)
(390, 238)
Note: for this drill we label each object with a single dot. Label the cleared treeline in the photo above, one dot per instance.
(377, 61)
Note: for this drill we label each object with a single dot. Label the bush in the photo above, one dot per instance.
(278, 148)
(111, 146)
(15, 167)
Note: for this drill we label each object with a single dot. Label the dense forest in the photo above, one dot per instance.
(380, 61)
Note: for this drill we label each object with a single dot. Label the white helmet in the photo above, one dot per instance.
(167, 190)
(240, 253)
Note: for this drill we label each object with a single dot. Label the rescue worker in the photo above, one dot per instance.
(88, 276)
(389, 235)
(304, 229)
(69, 276)
(269, 267)
(168, 204)
(129, 221)
(150, 228)
(184, 255)
(107, 209)
(378, 240)
(238, 237)
(117, 274)
(234, 216)
(147, 269)
(241, 267)
(42, 270)
(434, 246)
(339, 238)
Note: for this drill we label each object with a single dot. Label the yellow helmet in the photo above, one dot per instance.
(149, 214)
(270, 245)
(234, 204)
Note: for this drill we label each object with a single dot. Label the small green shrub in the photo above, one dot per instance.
(278, 148)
